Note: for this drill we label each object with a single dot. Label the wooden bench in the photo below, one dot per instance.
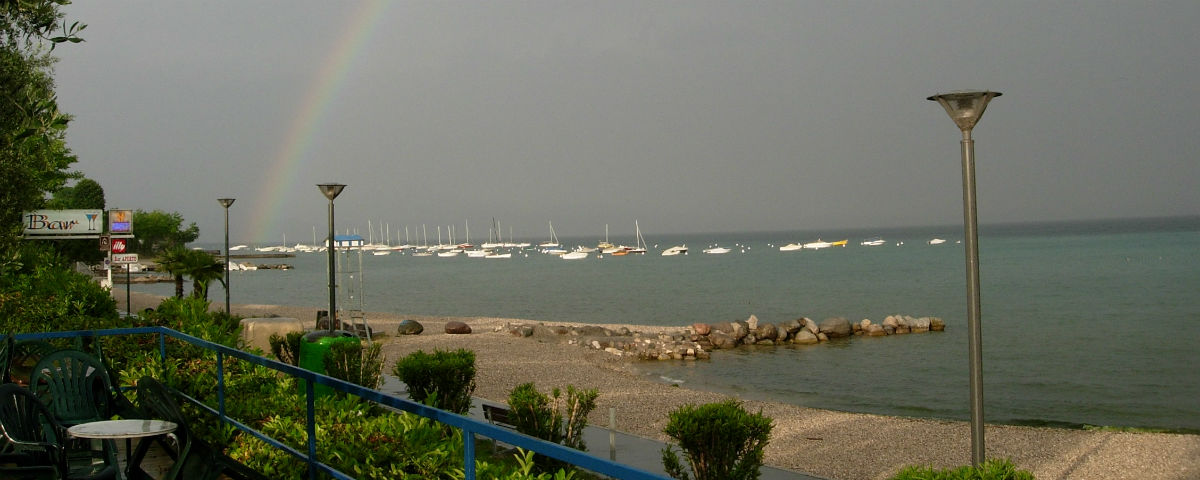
(498, 416)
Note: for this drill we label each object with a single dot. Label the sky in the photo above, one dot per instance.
(686, 117)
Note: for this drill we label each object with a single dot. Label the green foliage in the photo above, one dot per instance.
(445, 377)
(158, 231)
(39, 294)
(34, 157)
(192, 316)
(351, 362)
(719, 440)
(25, 22)
(85, 194)
(988, 470)
(286, 348)
(385, 446)
(539, 415)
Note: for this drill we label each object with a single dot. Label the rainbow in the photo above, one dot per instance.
(292, 155)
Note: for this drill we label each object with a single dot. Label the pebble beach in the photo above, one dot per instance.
(824, 443)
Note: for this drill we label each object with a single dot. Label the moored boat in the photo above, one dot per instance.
(676, 250)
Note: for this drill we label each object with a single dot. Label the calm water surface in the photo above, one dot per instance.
(1083, 323)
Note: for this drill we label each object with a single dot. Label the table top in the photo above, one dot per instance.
(132, 428)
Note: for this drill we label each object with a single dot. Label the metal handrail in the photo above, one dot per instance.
(470, 427)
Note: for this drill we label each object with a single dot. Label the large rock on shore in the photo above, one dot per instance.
(456, 327)
(409, 327)
(836, 327)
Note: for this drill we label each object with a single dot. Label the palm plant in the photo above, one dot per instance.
(200, 266)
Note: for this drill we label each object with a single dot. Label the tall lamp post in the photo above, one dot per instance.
(965, 108)
(331, 191)
(226, 202)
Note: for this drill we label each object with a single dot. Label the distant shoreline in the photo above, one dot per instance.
(831, 444)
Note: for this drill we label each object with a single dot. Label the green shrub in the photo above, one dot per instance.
(539, 415)
(445, 378)
(351, 362)
(286, 348)
(40, 293)
(988, 470)
(721, 441)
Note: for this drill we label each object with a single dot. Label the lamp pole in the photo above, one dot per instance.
(226, 202)
(331, 191)
(965, 108)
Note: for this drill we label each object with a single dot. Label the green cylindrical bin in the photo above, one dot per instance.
(313, 348)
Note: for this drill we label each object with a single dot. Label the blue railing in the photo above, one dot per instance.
(470, 427)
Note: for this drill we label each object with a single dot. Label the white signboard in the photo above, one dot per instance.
(124, 258)
(63, 223)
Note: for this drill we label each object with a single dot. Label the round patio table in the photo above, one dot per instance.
(128, 428)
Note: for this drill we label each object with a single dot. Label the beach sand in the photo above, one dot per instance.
(830, 444)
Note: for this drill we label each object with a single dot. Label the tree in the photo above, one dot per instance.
(200, 266)
(86, 194)
(158, 231)
(33, 154)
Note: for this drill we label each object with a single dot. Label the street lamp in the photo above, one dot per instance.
(226, 202)
(965, 108)
(331, 191)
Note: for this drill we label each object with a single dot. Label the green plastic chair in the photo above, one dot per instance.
(73, 385)
(6, 348)
(25, 354)
(36, 441)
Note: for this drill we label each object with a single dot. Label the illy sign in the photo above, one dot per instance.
(118, 245)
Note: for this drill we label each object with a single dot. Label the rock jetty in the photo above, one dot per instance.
(695, 342)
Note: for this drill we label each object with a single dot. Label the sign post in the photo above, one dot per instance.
(126, 259)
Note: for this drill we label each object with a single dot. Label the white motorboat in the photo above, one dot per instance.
(817, 245)
(872, 242)
(791, 247)
(937, 241)
(716, 250)
(676, 250)
(575, 255)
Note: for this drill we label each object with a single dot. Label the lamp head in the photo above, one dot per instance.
(965, 107)
(331, 190)
(226, 202)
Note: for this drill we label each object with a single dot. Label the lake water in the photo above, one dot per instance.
(1083, 323)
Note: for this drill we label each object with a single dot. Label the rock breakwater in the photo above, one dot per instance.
(698, 340)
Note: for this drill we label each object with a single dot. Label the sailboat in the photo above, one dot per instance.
(424, 251)
(605, 245)
(552, 246)
(641, 242)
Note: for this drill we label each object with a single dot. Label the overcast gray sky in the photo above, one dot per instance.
(686, 116)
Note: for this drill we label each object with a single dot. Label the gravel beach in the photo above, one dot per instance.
(830, 444)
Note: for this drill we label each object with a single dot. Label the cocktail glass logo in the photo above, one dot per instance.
(92, 221)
